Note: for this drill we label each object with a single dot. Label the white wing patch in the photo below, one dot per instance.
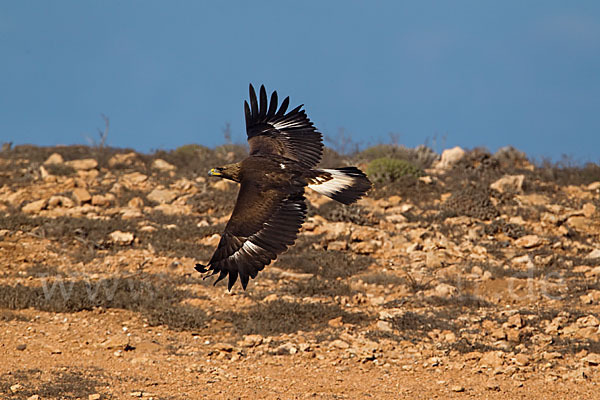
(287, 124)
(248, 247)
(338, 183)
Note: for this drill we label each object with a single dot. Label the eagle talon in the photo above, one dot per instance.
(202, 269)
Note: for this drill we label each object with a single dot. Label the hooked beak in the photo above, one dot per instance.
(214, 172)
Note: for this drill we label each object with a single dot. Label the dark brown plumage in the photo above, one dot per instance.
(270, 208)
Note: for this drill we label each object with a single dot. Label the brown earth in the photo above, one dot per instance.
(477, 280)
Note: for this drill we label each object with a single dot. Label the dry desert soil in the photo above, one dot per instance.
(477, 279)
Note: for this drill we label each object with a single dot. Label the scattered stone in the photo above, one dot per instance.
(337, 245)
(384, 326)
(103, 200)
(54, 158)
(457, 388)
(162, 196)
(445, 290)
(522, 359)
(124, 159)
(134, 179)
(81, 196)
(60, 201)
(251, 341)
(34, 397)
(222, 184)
(162, 165)
(95, 396)
(122, 238)
(509, 183)
(286, 348)
(135, 202)
(450, 157)
(21, 347)
(17, 387)
(593, 254)
(515, 320)
(589, 209)
(339, 344)
(34, 206)
(116, 342)
(492, 359)
(528, 241)
(592, 359)
(83, 164)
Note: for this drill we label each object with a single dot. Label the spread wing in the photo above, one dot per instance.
(271, 131)
(263, 224)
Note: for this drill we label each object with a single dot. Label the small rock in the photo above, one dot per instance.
(162, 165)
(103, 200)
(450, 157)
(34, 397)
(134, 179)
(592, 359)
(95, 396)
(60, 201)
(135, 202)
(528, 241)
(17, 387)
(516, 320)
(54, 158)
(122, 238)
(83, 164)
(594, 186)
(588, 210)
(116, 342)
(286, 348)
(340, 344)
(337, 245)
(162, 196)
(335, 322)
(588, 321)
(225, 347)
(522, 359)
(492, 386)
(509, 183)
(384, 326)
(593, 254)
(21, 347)
(34, 206)
(457, 388)
(223, 185)
(445, 290)
(492, 359)
(251, 341)
(81, 195)
(127, 159)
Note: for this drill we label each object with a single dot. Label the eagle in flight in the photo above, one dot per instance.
(285, 149)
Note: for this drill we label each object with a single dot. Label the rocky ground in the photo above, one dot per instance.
(478, 279)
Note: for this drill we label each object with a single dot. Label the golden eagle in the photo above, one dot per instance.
(285, 148)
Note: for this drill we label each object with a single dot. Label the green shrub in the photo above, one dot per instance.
(383, 170)
(421, 156)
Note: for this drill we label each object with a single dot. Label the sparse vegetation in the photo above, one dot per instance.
(386, 170)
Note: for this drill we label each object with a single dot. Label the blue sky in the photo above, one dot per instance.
(468, 73)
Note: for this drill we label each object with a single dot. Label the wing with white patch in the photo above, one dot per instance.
(272, 131)
(345, 185)
(263, 224)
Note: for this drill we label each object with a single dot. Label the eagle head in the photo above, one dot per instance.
(230, 171)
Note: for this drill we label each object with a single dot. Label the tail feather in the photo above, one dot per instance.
(345, 185)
